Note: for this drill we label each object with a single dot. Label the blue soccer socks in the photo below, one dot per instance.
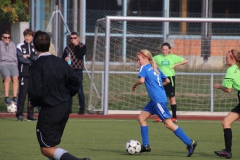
(180, 134)
(144, 133)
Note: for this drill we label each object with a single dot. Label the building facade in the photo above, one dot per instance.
(74, 11)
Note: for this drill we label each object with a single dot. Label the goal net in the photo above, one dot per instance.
(203, 42)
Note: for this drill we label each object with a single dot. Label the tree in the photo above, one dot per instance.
(15, 12)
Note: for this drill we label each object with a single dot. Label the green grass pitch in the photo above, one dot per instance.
(105, 139)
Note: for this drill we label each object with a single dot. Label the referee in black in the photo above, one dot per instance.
(51, 83)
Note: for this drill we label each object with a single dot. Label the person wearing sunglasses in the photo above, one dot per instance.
(9, 67)
(73, 54)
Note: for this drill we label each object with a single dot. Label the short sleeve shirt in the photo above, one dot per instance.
(153, 83)
(165, 63)
(232, 78)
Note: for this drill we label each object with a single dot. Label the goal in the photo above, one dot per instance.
(203, 42)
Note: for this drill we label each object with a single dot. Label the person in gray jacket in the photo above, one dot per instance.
(26, 55)
(8, 67)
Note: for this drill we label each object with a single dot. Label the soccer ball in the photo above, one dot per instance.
(133, 147)
(12, 108)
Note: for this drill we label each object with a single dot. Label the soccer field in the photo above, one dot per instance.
(105, 139)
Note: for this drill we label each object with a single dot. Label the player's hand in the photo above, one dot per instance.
(217, 85)
(30, 105)
(66, 59)
(26, 56)
(133, 87)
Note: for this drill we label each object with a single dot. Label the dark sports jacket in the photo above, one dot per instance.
(51, 81)
(24, 63)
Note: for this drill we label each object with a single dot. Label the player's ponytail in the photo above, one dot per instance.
(146, 54)
(235, 55)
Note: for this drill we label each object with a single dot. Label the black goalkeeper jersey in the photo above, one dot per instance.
(51, 81)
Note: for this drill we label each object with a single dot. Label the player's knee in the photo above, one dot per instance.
(172, 100)
(7, 80)
(166, 125)
(141, 120)
(45, 151)
(170, 125)
(15, 78)
(225, 123)
(222, 122)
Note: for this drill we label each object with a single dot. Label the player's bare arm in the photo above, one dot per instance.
(166, 81)
(139, 82)
(30, 105)
(219, 86)
(181, 63)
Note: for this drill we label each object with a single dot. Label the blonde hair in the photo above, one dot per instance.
(146, 54)
(235, 54)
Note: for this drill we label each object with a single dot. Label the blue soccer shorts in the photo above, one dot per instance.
(159, 108)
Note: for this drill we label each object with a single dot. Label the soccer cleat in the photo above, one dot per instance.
(14, 100)
(224, 153)
(174, 120)
(191, 148)
(80, 112)
(84, 159)
(7, 101)
(157, 120)
(145, 148)
(20, 118)
(31, 119)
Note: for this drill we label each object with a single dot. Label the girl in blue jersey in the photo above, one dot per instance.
(231, 80)
(154, 81)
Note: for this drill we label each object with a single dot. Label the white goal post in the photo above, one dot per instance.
(115, 33)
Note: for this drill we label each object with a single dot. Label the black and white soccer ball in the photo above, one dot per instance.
(12, 108)
(133, 147)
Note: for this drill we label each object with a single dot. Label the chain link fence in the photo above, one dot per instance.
(157, 28)
(231, 29)
(93, 15)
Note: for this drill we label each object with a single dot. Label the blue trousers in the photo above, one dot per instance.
(81, 97)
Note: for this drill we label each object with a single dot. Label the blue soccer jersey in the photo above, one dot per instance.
(158, 102)
(153, 83)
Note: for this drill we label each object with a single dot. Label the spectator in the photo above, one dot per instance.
(26, 55)
(76, 50)
(51, 83)
(52, 47)
(8, 67)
